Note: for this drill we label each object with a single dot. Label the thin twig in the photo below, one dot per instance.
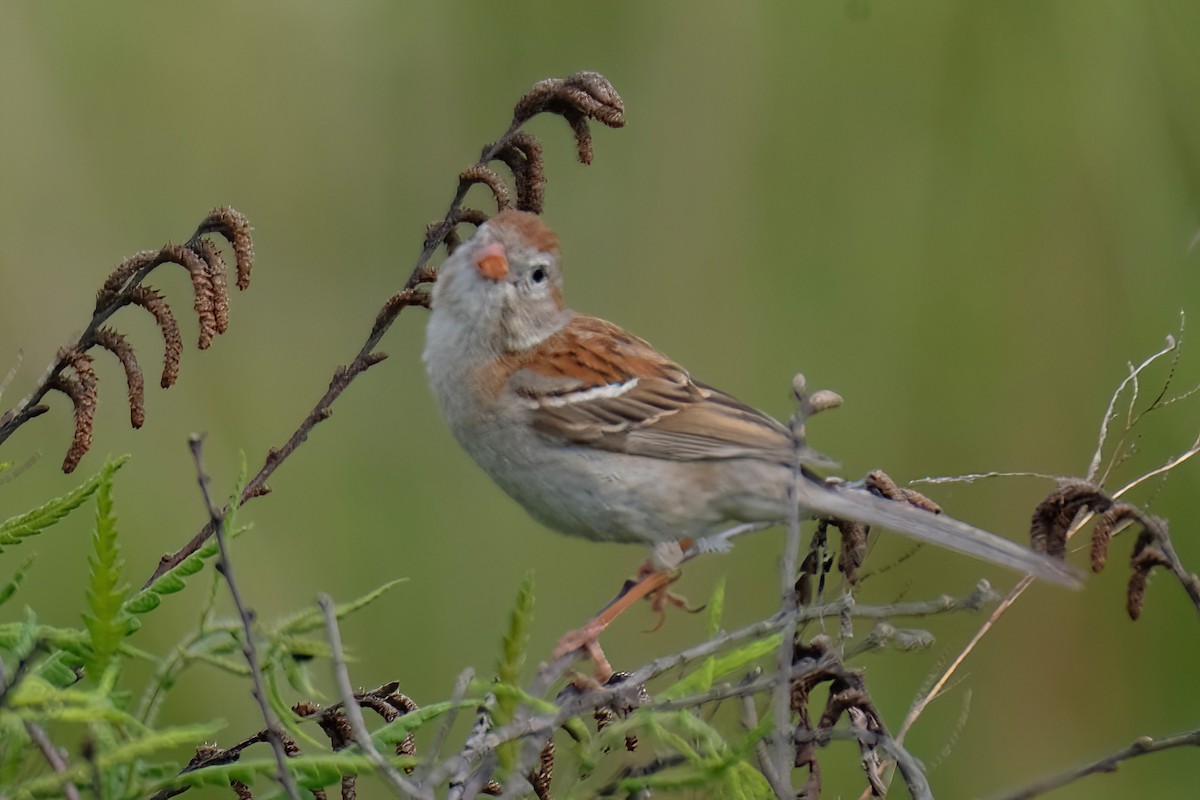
(910, 769)
(1140, 747)
(921, 703)
(358, 726)
(749, 721)
(456, 697)
(1185, 579)
(540, 725)
(781, 708)
(971, 477)
(1109, 412)
(53, 757)
(249, 651)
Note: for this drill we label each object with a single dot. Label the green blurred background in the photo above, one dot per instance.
(965, 217)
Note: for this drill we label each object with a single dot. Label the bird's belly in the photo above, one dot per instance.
(602, 495)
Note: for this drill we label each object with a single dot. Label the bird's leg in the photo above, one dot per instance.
(587, 637)
(653, 577)
(662, 597)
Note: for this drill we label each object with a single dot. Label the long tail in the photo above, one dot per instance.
(860, 506)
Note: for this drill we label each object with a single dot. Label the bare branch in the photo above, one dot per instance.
(53, 757)
(1140, 747)
(119, 346)
(249, 651)
(1109, 413)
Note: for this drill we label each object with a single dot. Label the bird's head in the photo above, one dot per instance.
(505, 283)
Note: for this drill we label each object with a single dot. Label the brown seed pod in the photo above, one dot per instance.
(1053, 516)
(233, 225)
(480, 173)
(153, 302)
(144, 260)
(522, 154)
(211, 255)
(118, 345)
(82, 391)
(577, 98)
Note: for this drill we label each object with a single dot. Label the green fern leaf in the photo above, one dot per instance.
(25, 638)
(310, 771)
(284, 713)
(398, 729)
(716, 608)
(512, 659)
(10, 587)
(107, 623)
(172, 581)
(75, 642)
(714, 668)
(512, 647)
(298, 676)
(31, 523)
(56, 671)
(234, 666)
(124, 755)
(310, 619)
(16, 747)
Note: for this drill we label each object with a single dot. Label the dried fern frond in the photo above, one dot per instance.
(124, 286)
(82, 390)
(233, 225)
(118, 345)
(153, 302)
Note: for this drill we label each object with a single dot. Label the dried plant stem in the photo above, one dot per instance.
(249, 651)
(762, 755)
(934, 691)
(782, 748)
(53, 757)
(1109, 763)
(358, 726)
(1110, 412)
(910, 769)
(456, 697)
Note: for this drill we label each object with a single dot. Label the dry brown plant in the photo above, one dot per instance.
(72, 372)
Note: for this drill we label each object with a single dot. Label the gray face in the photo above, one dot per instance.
(513, 307)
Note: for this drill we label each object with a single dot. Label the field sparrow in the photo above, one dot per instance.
(599, 435)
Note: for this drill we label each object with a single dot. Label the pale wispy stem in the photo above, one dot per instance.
(358, 726)
(249, 651)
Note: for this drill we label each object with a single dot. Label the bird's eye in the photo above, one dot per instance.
(538, 275)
